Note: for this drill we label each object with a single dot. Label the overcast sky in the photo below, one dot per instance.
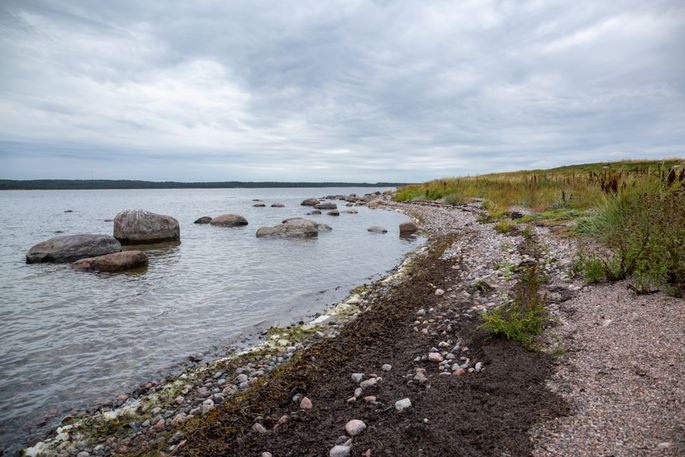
(335, 90)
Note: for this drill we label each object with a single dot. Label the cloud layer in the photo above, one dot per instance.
(335, 90)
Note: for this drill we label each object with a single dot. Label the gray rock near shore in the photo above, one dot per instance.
(316, 212)
(259, 205)
(407, 228)
(377, 229)
(293, 228)
(277, 205)
(138, 226)
(229, 220)
(374, 203)
(334, 212)
(68, 248)
(115, 262)
(326, 205)
(203, 220)
(310, 202)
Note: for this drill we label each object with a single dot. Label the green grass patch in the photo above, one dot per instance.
(504, 227)
(523, 319)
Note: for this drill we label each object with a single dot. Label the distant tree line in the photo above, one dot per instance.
(75, 184)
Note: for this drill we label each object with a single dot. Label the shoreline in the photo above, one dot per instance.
(416, 336)
(260, 343)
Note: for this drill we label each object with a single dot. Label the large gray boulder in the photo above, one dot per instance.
(310, 202)
(408, 228)
(229, 220)
(68, 248)
(112, 263)
(296, 227)
(138, 226)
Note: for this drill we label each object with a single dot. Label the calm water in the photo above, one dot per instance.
(69, 338)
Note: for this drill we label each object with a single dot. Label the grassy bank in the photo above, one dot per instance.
(636, 209)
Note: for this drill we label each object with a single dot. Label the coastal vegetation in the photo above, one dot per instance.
(635, 209)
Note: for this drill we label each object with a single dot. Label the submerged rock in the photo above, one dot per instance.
(115, 262)
(296, 227)
(335, 212)
(377, 229)
(277, 205)
(229, 220)
(259, 205)
(203, 220)
(68, 248)
(138, 226)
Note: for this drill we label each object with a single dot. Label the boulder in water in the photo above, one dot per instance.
(203, 220)
(407, 228)
(277, 205)
(112, 263)
(377, 229)
(310, 202)
(326, 205)
(229, 220)
(295, 227)
(334, 212)
(68, 248)
(138, 226)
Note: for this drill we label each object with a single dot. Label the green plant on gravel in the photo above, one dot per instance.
(523, 319)
(504, 227)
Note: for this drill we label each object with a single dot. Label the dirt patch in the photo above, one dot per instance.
(486, 413)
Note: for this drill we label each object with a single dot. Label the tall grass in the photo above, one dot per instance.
(644, 225)
(575, 187)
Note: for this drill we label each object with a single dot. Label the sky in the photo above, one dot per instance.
(347, 90)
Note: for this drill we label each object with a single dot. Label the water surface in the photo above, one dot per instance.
(70, 338)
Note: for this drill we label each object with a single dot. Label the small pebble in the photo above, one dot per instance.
(306, 403)
(386, 367)
(401, 405)
(357, 377)
(355, 427)
(340, 451)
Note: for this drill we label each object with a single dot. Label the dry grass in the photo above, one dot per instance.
(576, 187)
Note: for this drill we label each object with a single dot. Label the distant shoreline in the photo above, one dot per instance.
(95, 184)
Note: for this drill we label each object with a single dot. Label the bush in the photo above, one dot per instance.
(644, 225)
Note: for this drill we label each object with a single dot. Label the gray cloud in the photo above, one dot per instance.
(335, 90)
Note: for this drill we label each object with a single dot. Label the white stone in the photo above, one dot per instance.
(401, 405)
(355, 427)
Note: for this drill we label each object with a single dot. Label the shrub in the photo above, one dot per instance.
(453, 199)
(644, 225)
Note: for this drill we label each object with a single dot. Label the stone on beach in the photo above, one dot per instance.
(401, 405)
(115, 262)
(340, 451)
(68, 248)
(138, 226)
(435, 357)
(355, 427)
(306, 403)
(229, 220)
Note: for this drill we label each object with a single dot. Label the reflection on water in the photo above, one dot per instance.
(70, 337)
